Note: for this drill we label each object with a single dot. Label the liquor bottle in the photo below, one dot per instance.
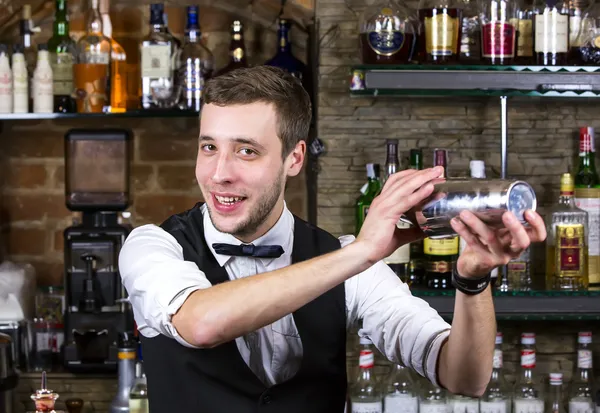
(432, 399)
(387, 33)
(566, 243)
(524, 54)
(551, 32)
(118, 64)
(498, 31)
(587, 197)
(138, 396)
(579, 26)
(417, 273)
(470, 38)
(20, 81)
(399, 260)
(400, 392)
(496, 398)
(198, 63)
(43, 99)
(62, 56)
(26, 31)
(237, 49)
(589, 37)
(440, 255)
(581, 391)
(527, 396)
(160, 53)
(554, 403)
(91, 72)
(365, 396)
(463, 404)
(440, 24)
(368, 193)
(284, 58)
(6, 81)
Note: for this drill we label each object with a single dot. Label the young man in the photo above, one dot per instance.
(243, 307)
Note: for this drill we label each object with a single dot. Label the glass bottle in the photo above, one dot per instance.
(400, 392)
(554, 403)
(44, 398)
(416, 276)
(440, 30)
(365, 395)
(237, 49)
(581, 389)
(587, 197)
(432, 399)
(496, 398)
(566, 243)
(284, 59)
(118, 64)
(589, 42)
(62, 56)
(528, 396)
(498, 31)
(160, 53)
(91, 72)
(42, 82)
(524, 53)
(470, 39)
(198, 63)
(6, 81)
(138, 395)
(368, 193)
(551, 32)
(20, 82)
(26, 31)
(578, 25)
(387, 33)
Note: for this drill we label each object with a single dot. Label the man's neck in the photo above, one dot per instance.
(267, 225)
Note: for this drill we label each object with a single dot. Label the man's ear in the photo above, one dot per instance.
(295, 159)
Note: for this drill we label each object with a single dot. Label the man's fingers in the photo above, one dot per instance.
(520, 238)
(395, 177)
(537, 231)
(411, 182)
(483, 232)
(471, 239)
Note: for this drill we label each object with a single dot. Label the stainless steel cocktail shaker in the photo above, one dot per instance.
(487, 199)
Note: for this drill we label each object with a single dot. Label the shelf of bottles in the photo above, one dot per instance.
(94, 76)
(488, 48)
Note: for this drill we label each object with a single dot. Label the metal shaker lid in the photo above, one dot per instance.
(521, 197)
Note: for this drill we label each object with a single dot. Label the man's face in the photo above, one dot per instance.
(240, 169)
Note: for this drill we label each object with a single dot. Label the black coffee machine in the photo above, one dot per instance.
(96, 308)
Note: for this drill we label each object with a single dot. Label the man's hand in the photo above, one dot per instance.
(488, 248)
(403, 191)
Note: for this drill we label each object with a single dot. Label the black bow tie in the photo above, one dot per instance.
(249, 250)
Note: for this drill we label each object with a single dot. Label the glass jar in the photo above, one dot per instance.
(470, 38)
(440, 28)
(498, 31)
(50, 303)
(589, 34)
(387, 34)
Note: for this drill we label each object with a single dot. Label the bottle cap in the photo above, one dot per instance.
(364, 341)
(585, 337)
(371, 170)
(42, 47)
(556, 379)
(17, 48)
(586, 140)
(528, 338)
(440, 157)
(3, 48)
(498, 338)
(567, 185)
(477, 169)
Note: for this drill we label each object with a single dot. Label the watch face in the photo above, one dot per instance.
(521, 197)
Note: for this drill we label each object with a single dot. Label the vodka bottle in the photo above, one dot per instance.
(496, 398)
(400, 392)
(432, 399)
(43, 98)
(365, 396)
(20, 81)
(6, 81)
(528, 395)
(138, 395)
(581, 392)
(554, 402)
(464, 404)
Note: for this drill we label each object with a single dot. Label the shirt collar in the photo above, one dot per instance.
(280, 234)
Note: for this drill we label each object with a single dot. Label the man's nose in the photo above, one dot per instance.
(224, 168)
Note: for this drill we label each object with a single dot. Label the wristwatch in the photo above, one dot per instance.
(470, 286)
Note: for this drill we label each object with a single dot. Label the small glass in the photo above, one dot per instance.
(44, 398)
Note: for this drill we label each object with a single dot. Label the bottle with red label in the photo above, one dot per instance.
(554, 402)
(498, 31)
(496, 398)
(528, 396)
(365, 395)
(581, 391)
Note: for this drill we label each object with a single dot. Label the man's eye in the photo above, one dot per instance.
(208, 147)
(247, 151)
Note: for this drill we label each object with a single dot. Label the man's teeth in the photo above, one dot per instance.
(227, 199)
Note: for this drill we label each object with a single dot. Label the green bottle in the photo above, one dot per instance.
(369, 191)
(416, 272)
(62, 52)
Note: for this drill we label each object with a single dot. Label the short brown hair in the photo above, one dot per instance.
(266, 84)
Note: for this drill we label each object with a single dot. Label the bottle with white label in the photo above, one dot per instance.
(432, 399)
(20, 81)
(6, 82)
(365, 396)
(400, 392)
(43, 98)
(581, 390)
(554, 403)
(528, 395)
(496, 398)
(551, 32)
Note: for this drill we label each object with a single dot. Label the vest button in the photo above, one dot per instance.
(267, 399)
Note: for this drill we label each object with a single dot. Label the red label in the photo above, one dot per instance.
(498, 40)
(569, 254)
(586, 140)
(528, 358)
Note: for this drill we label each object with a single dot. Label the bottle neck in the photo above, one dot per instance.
(61, 21)
(237, 48)
(95, 20)
(566, 198)
(192, 30)
(284, 39)
(586, 161)
(106, 25)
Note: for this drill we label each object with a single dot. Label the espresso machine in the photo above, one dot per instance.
(96, 307)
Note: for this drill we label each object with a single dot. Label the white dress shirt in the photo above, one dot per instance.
(158, 280)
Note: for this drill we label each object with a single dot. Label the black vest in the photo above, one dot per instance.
(217, 380)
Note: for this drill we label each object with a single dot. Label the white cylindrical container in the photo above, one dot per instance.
(6, 85)
(43, 98)
(20, 87)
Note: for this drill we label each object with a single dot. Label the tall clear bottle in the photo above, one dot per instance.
(417, 272)
(432, 399)
(581, 390)
(554, 402)
(566, 242)
(62, 50)
(528, 395)
(160, 53)
(365, 395)
(118, 64)
(496, 398)
(400, 392)
(198, 63)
